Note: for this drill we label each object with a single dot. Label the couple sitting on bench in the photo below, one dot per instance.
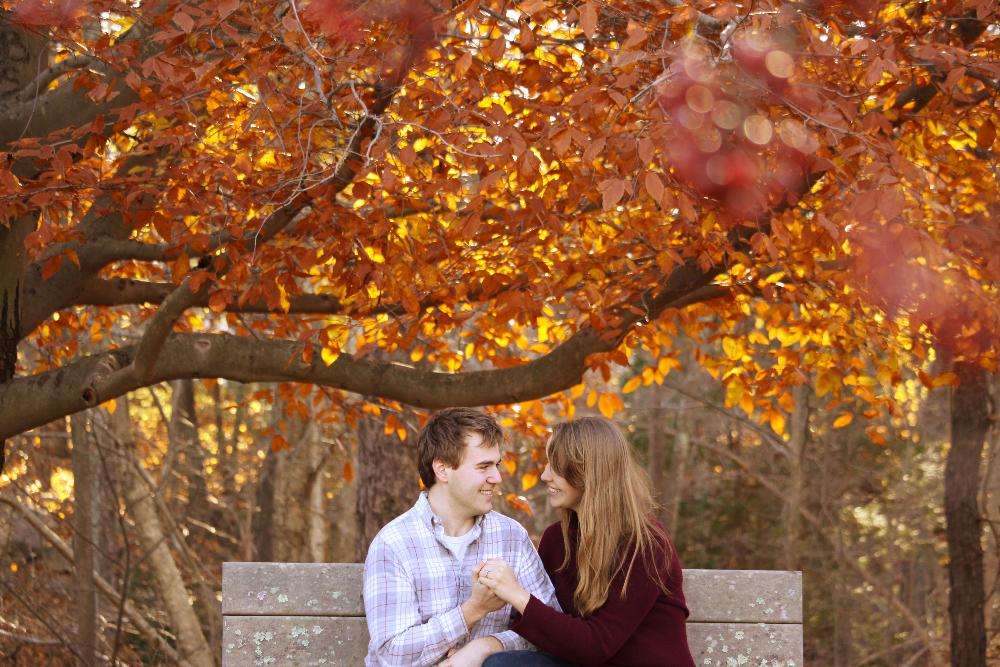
(453, 583)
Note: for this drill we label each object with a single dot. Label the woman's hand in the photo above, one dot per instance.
(499, 578)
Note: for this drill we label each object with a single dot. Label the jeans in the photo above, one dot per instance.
(524, 659)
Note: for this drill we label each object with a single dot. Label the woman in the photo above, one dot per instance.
(614, 569)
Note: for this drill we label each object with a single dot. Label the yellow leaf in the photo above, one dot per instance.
(111, 406)
(632, 384)
(843, 420)
(283, 298)
(733, 348)
(734, 392)
(543, 329)
(948, 378)
(329, 356)
(591, 398)
(609, 404)
(777, 421)
(825, 383)
(529, 480)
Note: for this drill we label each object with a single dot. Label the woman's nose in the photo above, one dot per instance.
(546, 476)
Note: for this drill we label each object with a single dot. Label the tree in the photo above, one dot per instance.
(272, 193)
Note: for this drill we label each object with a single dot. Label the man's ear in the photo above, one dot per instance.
(440, 470)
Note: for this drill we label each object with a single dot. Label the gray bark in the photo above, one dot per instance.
(184, 436)
(191, 643)
(387, 479)
(287, 526)
(678, 473)
(799, 435)
(655, 450)
(86, 510)
(970, 422)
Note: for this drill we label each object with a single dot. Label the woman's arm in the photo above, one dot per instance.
(597, 638)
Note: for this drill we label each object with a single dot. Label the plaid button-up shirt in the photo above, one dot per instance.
(414, 586)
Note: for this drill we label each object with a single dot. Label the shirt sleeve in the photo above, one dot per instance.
(597, 638)
(398, 635)
(531, 574)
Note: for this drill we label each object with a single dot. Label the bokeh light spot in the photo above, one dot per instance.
(758, 129)
(779, 64)
(727, 115)
(699, 98)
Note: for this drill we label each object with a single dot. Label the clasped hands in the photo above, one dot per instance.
(497, 576)
(482, 601)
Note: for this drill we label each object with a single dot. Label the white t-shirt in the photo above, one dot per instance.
(458, 544)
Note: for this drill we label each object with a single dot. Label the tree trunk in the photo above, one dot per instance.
(678, 473)
(21, 54)
(655, 437)
(191, 643)
(799, 432)
(11, 267)
(343, 515)
(970, 421)
(185, 437)
(289, 523)
(990, 504)
(387, 479)
(85, 537)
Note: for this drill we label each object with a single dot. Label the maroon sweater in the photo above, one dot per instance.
(643, 628)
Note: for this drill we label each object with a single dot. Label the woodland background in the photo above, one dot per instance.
(246, 247)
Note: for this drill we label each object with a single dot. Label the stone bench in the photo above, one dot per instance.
(311, 614)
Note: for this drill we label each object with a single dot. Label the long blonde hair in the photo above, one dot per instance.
(615, 511)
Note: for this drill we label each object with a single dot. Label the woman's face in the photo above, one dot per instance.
(562, 494)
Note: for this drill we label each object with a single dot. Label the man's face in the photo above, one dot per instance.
(471, 485)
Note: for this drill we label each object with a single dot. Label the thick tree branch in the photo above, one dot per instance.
(123, 292)
(66, 106)
(105, 376)
(45, 78)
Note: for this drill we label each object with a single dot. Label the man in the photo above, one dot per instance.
(423, 600)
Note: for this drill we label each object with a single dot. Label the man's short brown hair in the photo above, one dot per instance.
(443, 437)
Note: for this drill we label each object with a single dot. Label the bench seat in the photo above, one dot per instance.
(311, 614)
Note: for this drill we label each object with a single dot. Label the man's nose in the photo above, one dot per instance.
(494, 476)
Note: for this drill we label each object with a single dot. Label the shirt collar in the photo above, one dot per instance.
(433, 521)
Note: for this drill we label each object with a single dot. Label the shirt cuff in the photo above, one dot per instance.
(453, 624)
(512, 641)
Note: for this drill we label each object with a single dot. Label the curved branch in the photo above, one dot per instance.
(105, 376)
(124, 292)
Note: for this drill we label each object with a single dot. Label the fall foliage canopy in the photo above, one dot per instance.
(446, 203)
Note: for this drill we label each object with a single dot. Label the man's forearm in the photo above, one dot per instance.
(472, 613)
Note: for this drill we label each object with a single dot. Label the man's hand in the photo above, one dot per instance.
(481, 602)
(473, 653)
(496, 575)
